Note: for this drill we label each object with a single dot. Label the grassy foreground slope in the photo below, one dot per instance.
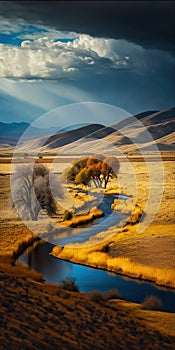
(35, 315)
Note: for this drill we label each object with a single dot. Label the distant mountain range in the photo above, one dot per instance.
(11, 132)
(128, 135)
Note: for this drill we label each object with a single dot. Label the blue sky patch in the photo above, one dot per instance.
(10, 39)
(16, 38)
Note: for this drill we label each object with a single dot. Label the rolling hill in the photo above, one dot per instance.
(138, 132)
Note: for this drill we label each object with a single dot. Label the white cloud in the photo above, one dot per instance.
(102, 47)
(49, 58)
(70, 69)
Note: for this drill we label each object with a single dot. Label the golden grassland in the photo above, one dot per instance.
(149, 255)
(37, 315)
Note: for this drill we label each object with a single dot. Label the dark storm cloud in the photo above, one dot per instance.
(147, 23)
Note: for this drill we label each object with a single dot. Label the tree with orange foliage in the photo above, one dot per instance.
(95, 165)
(94, 168)
(109, 169)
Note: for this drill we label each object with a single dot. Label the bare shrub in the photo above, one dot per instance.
(151, 302)
(96, 296)
(69, 284)
(112, 294)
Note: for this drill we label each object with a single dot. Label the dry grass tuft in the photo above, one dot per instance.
(80, 220)
(135, 215)
(112, 190)
(69, 284)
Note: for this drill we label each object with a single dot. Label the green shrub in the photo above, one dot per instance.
(67, 215)
(83, 177)
(152, 303)
(69, 284)
(75, 169)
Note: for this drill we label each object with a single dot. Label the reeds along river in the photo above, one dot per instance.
(55, 270)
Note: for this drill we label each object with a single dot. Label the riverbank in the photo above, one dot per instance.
(80, 220)
(102, 256)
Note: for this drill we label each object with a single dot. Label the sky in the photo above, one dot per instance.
(58, 53)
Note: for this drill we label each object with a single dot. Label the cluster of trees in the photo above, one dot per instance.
(93, 168)
(32, 190)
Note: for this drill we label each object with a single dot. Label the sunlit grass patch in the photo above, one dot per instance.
(126, 266)
(16, 244)
(112, 190)
(97, 259)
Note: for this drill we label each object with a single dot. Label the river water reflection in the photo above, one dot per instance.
(55, 270)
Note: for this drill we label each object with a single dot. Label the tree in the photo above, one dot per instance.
(100, 170)
(109, 169)
(103, 169)
(95, 165)
(32, 191)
